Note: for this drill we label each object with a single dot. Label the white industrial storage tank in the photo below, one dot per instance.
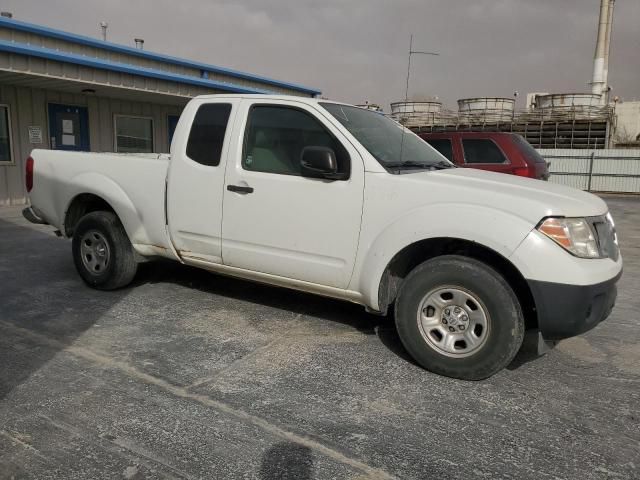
(412, 113)
(423, 106)
(566, 101)
(478, 104)
(487, 108)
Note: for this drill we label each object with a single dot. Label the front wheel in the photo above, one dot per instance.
(458, 317)
(102, 252)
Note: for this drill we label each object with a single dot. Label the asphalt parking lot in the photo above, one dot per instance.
(192, 375)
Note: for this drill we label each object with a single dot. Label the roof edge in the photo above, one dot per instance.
(115, 47)
(47, 53)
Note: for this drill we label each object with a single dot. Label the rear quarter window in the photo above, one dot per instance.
(527, 150)
(207, 133)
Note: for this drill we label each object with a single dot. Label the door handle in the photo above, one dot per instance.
(239, 189)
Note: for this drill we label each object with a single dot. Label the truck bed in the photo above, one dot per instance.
(134, 184)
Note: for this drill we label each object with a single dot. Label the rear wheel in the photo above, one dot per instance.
(102, 252)
(458, 317)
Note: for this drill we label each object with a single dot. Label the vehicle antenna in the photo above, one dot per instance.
(406, 90)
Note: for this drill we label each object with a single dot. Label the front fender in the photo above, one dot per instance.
(107, 189)
(497, 230)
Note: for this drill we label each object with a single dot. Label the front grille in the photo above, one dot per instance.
(605, 234)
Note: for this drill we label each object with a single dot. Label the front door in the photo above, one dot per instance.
(68, 127)
(275, 220)
(196, 179)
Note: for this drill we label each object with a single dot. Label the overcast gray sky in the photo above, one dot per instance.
(356, 50)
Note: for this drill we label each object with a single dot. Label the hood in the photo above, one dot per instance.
(524, 197)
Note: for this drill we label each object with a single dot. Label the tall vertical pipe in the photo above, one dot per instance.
(605, 78)
(598, 84)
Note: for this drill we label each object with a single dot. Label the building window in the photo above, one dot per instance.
(134, 134)
(5, 135)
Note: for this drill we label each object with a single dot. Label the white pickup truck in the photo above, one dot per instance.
(340, 201)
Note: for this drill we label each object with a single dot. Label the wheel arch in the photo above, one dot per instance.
(92, 191)
(418, 252)
(79, 206)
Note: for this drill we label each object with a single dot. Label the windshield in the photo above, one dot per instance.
(384, 139)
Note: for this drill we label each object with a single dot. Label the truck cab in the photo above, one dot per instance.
(274, 217)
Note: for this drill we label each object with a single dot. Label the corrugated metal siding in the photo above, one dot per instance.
(28, 107)
(45, 72)
(607, 170)
(70, 47)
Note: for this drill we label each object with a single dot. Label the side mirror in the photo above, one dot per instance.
(319, 162)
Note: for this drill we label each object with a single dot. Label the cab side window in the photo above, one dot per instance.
(207, 133)
(275, 137)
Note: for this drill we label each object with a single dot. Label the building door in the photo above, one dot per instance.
(68, 127)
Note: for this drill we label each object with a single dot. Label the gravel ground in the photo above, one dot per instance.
(191, 375)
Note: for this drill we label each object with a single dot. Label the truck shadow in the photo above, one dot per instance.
(302, 303)
(44, 306)
(337, 311)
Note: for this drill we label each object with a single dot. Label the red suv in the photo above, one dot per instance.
(494, 151)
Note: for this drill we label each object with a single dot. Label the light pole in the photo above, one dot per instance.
(413, 52)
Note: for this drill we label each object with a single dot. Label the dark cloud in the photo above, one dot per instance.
(355, 50)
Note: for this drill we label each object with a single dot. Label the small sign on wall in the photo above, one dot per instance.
(67, 126)
(35, 134)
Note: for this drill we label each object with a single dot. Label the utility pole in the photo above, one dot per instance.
(104, 26)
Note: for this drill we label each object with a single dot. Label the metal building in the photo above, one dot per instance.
(64, 91)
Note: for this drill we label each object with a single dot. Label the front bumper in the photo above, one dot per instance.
(569, 310)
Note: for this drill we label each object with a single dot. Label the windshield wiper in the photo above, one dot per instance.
(444, 164)
(427, 166)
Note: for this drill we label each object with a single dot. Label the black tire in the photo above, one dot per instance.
(120, 265)
(504, 319)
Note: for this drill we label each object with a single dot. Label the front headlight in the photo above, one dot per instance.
(573, 234)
